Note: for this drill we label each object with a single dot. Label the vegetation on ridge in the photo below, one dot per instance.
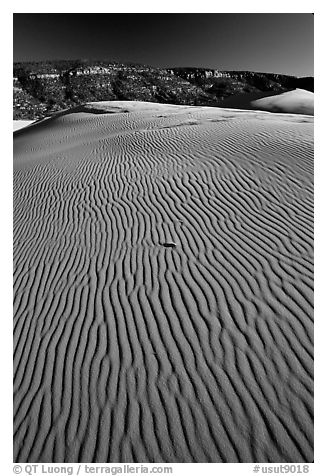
(41, 88)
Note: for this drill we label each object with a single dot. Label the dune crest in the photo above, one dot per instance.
(163, 286)
(298, 101)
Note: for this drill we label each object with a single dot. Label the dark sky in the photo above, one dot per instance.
(279, 43)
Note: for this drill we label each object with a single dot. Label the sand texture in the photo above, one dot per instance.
(163, 286)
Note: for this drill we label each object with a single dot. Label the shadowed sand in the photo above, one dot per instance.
(163, 279)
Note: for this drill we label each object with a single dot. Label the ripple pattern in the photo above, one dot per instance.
(126, 350)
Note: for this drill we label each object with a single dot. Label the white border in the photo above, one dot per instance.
(169, 6)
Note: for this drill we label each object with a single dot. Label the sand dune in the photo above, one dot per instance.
(163, 284)
(298, 101)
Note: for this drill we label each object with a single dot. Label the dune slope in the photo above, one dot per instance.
(298, 101)
(163, 284)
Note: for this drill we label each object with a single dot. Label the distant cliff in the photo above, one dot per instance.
(46, 87)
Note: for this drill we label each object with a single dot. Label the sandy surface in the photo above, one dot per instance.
(298, 101)
(163, 284)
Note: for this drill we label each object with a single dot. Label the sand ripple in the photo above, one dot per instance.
(130, 350)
